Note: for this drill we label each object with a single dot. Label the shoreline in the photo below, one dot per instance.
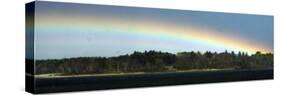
(59, 75)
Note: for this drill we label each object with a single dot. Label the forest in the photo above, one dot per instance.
(156, 61)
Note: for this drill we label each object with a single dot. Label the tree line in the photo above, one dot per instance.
(155, 61)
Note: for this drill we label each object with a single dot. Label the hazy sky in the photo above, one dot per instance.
(64, 30)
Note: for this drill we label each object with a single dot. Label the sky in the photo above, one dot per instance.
(64, 30)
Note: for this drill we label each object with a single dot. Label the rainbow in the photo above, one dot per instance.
(148, 28)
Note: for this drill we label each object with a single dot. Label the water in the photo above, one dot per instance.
(48, 85)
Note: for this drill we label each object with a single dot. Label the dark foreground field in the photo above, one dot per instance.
(47, 85)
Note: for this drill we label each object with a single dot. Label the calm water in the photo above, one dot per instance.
(175, 78)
